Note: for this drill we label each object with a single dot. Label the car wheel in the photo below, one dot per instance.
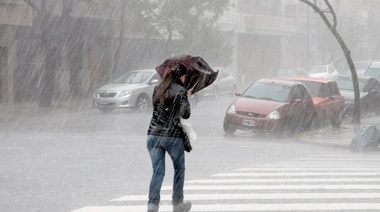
(309, 121)
(105, 110)
(289, 128)
(321, 119)
(229, 129)
(337, 119)
(193, 99)
(142, 103)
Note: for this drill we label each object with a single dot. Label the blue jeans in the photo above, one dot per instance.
(157, 147)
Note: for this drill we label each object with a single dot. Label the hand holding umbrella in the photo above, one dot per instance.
(199, 74)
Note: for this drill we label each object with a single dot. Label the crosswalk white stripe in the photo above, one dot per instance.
(243, 207)
(349, 172)
(338, 158)
(272, 174)
(285, 180)
(327, 165)
(276, 187)
(310, 163)
(310, 169)
(257, 196)
(354, 155)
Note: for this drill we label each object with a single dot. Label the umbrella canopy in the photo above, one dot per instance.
(199, 74)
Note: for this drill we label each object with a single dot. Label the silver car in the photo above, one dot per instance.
(132, 90)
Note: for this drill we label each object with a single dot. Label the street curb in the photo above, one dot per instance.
(336, 138)
(31, 109)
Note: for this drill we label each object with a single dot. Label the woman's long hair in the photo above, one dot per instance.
(171, 75)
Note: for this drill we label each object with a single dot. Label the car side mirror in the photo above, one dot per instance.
(374, 92)
(154, 81)
(237, 94)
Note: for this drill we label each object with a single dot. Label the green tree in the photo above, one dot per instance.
(332, 26)
(50, 32)
(189, 26)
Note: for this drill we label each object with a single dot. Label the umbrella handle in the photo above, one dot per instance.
(194, 85)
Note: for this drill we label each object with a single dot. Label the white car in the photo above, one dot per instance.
(132, 90)
(224, 84)
(323, 71)
(361, 66)
(373, 70)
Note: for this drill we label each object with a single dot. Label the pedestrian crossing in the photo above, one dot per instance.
(316, 183)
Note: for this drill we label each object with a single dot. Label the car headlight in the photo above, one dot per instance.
(231, 109)
(125, 93)
(274, 115)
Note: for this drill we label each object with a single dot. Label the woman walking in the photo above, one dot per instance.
(165, 134)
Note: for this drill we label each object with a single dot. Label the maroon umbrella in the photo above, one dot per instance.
(199, 74)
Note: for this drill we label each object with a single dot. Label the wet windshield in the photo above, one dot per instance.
(375, 72)
(347, 84)
(133, 78)
(268, 91)
(315, 88)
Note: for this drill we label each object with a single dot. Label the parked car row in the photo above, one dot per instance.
(367, 68)
(369, 91)
(281, 106)
(134, 90)
(271, 105)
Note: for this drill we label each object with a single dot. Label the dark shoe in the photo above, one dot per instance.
(183, 207)
(152, 207)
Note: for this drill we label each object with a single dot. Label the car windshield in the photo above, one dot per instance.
(268, 91)
(133, 77)
(315, 88)
(347, 84)
(374, 72)
(317, 69)
(361, 65)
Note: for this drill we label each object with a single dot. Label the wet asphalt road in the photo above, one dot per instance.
(64, 160)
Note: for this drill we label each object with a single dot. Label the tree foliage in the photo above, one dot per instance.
(174, 26)
(189, 26)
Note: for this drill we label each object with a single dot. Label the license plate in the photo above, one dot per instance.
(250, 123)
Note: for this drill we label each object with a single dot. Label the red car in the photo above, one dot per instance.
(271, 105)
(328, 102)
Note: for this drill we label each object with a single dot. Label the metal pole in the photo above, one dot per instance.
(308, 39)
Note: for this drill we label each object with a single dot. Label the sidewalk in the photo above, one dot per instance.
(328, 136)
(340, 137)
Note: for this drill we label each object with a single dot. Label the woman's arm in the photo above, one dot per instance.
(185, 110)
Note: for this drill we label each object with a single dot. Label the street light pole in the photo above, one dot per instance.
(308, 39)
